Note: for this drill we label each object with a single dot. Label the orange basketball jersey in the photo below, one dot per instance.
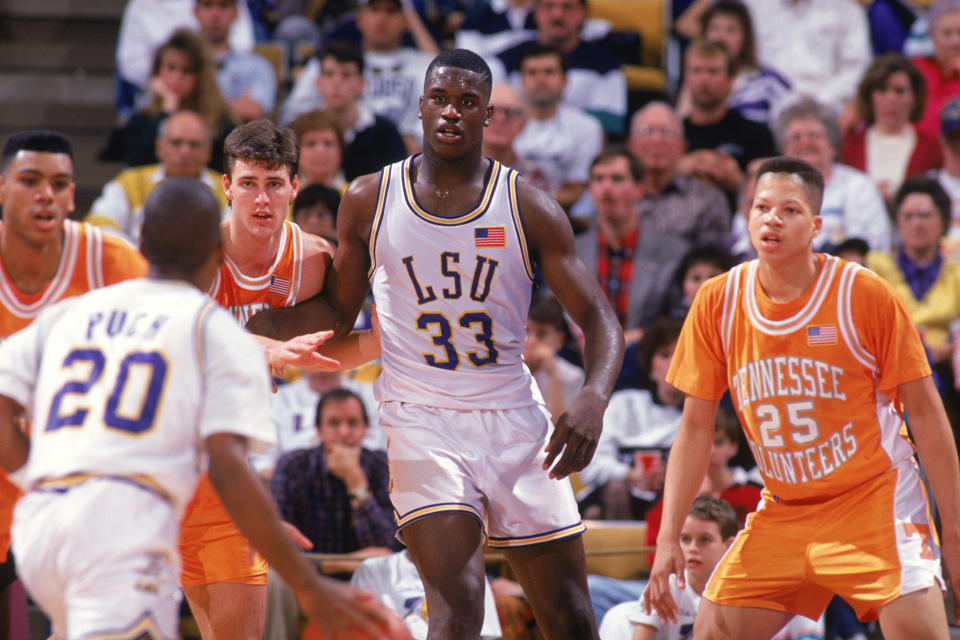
(89, 260)
(814, 380)
(212, 548)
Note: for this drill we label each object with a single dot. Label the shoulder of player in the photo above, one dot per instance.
(120, 261)
(314, 246)
(361, 195)
(535, 203)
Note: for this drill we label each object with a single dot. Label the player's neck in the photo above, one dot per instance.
(251, 254)
(441, 173)
(783, 282)
(31, 267)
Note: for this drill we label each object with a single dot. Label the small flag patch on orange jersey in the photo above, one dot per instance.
(490, 237)
(822, 334)
(279, 286)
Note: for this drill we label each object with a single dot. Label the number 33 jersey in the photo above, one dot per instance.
(129, 380)
(814, 380)
(452, 297)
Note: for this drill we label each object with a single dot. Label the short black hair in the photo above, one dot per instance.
(809, 175)
(181, 225)
(314, 194)
(662, 332)
(932, 188)
(714, 254)
(343, 52)
(539, 50)
(43, 140)
(339, 394)
(463, 59)
(858, 245)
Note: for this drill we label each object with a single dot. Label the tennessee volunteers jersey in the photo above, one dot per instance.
(244, 295)
(88, 260)
(452, 297)
(814, 380)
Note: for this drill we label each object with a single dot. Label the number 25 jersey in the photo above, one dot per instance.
(452, 297)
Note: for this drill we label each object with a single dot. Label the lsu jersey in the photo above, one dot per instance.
(452, 297)
(88, 260)
(128, 381)
(244, 295)
(814, 380)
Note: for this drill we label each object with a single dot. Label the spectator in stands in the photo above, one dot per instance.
(941, 70)
(315, 210)
(559, 380)
(394, 73)
(183, 146)
(887, 146)
(145, 26)
(321, 143)
(595, 80)
(852, 205)
(758, 92)
(853, 250)
(821, 46)
(371, 141)
(681, 205)
(247, 81)
(699, 264)
(949, 175)
(558, 141)
(720, 141)
(634, 268)
(509, 119)
(182, 77)
(638, 428)
(494, 26)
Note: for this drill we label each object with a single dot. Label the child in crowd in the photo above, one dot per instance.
(698, 265)
(315, 210)
(558, 379)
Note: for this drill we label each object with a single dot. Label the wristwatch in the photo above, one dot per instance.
(360, 494)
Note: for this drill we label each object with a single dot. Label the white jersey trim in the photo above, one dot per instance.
(518, 223)
(845, 319)
(730, 294)
(56, 287)
(799, 319)
(256, 283)
(378, 217)
(470, 216)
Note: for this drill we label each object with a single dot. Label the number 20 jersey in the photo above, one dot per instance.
(814, 380)
(452, 297)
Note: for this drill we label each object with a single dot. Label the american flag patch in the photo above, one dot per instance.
(490, 237)
(823, 334)
(279, 286)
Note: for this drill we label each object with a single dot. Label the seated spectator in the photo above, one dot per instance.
(559, 380)
(707, 532)
(315, 210)
(720, 142)
(887, 146)
(639, 425)
(949, 175)
(595, 80)
(146, 25)
(697, 266)
(182, 77)
(942, 69)
(634, 264)
(321, 143)
(758, 92)
(684, 206)
(395, 582)
(852, 250)
(508, 120)
(183, 146)
(559, 140)
(852, 205)
(371, 141)
(494, 26)
(247, 81)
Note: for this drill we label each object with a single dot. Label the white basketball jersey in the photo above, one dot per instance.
(129, 380)
(452, 297)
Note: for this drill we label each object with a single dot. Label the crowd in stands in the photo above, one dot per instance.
(657, 188)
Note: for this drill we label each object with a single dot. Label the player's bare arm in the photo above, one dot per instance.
(14, 445)
(336, 608)
(938, 456)
(689, 456)
(550, 240)
(337, 306)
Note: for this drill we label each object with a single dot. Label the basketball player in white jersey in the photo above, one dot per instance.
(449, 240)
(127, 386)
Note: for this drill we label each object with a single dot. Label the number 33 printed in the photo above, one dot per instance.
(441, 332)
(133, 390)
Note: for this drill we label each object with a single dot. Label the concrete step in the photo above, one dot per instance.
(77, 87)
(69, 118)
(41, 56)
(62, 9)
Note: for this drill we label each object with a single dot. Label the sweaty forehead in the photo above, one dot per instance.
(455, 79)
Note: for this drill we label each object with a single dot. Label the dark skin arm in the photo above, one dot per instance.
(550, 240)
(346, 287)
(332, 605)
(14, 444)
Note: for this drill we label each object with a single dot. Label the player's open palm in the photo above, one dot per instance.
(302, 352)
(656, 595)
(342, 612)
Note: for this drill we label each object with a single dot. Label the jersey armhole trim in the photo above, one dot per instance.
(518, 223)
(378, 217)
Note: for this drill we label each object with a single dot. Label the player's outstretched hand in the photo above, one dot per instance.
(656, 595)
(575, 435)
(300, 352)
(342, 612)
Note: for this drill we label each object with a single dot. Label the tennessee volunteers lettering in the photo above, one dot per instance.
(243, 312)
(810, 463)
(785, 376)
